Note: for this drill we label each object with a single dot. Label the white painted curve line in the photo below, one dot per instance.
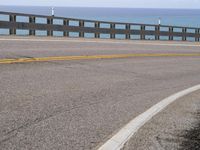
(118, 140)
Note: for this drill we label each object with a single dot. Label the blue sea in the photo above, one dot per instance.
(179, 17)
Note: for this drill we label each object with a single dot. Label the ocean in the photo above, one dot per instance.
(179, 17)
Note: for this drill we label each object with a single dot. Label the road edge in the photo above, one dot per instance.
(120, 138)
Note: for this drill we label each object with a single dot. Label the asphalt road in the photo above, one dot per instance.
(80, 104)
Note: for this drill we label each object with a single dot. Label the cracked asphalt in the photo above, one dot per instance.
(80, 104)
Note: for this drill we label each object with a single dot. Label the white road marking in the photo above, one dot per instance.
(100, 41)
(119, 139)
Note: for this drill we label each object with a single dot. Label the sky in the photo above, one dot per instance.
(108, 3)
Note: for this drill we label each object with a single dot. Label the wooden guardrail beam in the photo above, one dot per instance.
(49, 22)
(65, 23)
(32, 21)
(128, 28)
(157, 29)
(129, 31)
(81, 24)
(197, 33)
(12, 19)
(97, 26)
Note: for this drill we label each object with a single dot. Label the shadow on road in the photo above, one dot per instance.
(192, 137)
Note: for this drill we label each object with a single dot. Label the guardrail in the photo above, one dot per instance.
(51, 24)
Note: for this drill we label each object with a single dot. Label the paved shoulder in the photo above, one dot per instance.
(177, 127)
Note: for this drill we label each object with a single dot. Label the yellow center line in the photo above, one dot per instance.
(59, 58)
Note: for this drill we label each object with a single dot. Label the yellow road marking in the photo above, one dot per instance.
(59, 58)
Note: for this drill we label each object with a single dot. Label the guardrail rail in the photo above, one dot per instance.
(13, 23)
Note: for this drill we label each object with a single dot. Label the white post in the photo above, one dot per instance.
(159, 21)
(52, 11)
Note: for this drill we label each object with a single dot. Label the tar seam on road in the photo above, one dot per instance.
(120, 138)
(102, 41)
(62, 58)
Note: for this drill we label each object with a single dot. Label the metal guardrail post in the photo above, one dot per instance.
(184, 31)
(142, 34)
(157, 29)
(66, 23)
(112, 27)
(197, 34)
(128, 28)
(12, 18)
(171, 30)
(49, 22)
(81, 24)
(32, 20)
(97, 25)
